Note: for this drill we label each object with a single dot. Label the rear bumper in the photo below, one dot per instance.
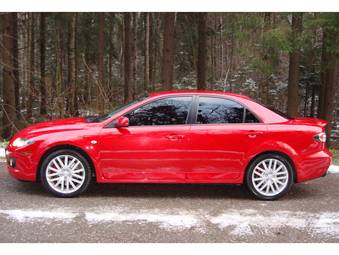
(20, 166)
(314, 165)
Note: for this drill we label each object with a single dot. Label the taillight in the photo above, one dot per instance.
(321, 137)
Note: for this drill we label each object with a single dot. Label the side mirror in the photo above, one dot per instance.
(121, 122)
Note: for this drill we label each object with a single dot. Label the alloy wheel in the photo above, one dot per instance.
(270, 177)
(65, 174)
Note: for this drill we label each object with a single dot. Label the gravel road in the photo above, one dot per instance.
(168, 213)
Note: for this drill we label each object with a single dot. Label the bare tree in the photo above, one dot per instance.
(16, 65)
(31, 68)
(127, 56)
(329, 75)
(134, 55)
(293, 76)
(168, 50)
(72, 77)
(43, 101)
(7, 56)
(147, 48)
(202, 51)
(101, 61)
(264, 85)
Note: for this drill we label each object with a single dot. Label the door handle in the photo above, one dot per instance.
(254, 133)
(175, 137)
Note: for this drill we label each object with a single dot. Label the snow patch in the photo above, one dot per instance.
(246, 222)
(327, 224)
(164, 220)
(35, 215)
(333, 169)
(236, 222)
(2, 153)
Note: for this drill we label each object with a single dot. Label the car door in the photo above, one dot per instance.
(220, 139)
(153, 146)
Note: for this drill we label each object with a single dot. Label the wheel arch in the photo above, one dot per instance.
(63, 147)
(282, 154)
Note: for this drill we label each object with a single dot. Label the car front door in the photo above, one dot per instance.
(223, 132)
(152, 147)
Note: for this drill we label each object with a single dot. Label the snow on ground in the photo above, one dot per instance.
(246, 222)
(2, 152)
(333, 169)
(164, 220)
(2, 155)
(238, 222)
(36, 215)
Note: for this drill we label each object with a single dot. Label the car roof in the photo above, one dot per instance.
(200, 92)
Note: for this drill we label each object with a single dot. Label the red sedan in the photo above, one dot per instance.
(174, 137)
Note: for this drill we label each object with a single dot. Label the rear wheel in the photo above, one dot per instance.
(269, 176)
(65, 173)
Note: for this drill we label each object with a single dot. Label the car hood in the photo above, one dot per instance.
(55, 125)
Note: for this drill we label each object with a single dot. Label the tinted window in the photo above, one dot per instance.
(250, 118)
(218, 110)
(168, 111)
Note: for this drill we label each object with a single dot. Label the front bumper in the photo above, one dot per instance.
(20, 165)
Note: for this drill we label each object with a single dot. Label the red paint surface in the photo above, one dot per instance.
(191, 153)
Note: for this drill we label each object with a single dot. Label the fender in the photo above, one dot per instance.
(272, 146)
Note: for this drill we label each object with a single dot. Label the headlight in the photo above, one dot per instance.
(20, 142)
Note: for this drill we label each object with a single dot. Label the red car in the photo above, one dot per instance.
(174, 137)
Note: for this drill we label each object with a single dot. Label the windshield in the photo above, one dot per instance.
(112, 113)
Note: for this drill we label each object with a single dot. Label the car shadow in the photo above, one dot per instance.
(146, 190)
(169, 190)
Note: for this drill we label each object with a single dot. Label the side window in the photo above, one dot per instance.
(167, 111)
(219, 110)
(250, 118)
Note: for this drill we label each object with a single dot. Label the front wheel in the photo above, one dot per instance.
(65, 173)
(269, 177)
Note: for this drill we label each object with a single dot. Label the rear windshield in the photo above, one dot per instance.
(282, 114)
(279, 113)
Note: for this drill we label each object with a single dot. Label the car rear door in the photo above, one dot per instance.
(221, 138)
(153, 147)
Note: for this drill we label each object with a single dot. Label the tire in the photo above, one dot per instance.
(271, 182)
(65, 173)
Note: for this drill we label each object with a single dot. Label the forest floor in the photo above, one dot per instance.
(169, 213)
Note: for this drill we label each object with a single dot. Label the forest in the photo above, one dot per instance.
(56, 65)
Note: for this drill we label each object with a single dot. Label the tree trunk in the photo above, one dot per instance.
(134, 50)
(264, 85)
(110, 56)
(87, 58)
(59, 79)
(16, 65)
(100, 100)
(127, 56)
(312, 101)
(168, 50)
(293, 76)
(72, 65)
(147, 47)
(152, 51)
(7, 55)
(31, 68)
(329, 98)
(43, 104)
(323, 73)
(329, 78)
(202, 51)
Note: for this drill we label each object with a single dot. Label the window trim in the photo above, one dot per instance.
(187, 121)
(196, 105)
